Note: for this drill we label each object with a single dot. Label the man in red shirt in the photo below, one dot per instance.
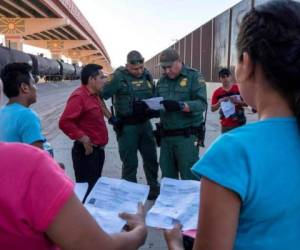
(83, 121)
(228, 101)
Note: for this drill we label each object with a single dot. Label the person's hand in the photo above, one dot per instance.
(88, 146)
(174, 238)
(136, 222)
(224, 99)
(235, 99)
(113, 120)
(172, 105)
(139, 108)
(150, 113)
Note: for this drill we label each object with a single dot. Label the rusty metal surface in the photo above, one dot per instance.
(181, 48)
(237, 13)
(221, 43)
(259, 2)
(177, 46)
(196, 48)
(213, 45)
(206, 50)
(188, 50)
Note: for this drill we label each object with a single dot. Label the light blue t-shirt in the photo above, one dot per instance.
(19, 124)
(261, 163)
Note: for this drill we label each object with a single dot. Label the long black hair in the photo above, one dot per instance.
(270, 34)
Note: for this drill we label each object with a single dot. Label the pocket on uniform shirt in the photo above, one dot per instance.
(182, 94)
(163, 92)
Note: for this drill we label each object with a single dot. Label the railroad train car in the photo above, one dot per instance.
(49, 69)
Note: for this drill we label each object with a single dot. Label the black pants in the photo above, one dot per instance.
(88, 168)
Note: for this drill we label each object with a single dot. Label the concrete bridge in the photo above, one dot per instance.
(56, 25)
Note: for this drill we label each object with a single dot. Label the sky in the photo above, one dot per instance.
(147, 26)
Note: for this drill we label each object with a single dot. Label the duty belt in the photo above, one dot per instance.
(180, 132)
(133, 120)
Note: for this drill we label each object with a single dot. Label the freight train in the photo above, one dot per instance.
(42, 67)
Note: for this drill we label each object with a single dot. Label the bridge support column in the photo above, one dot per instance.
(14, 42)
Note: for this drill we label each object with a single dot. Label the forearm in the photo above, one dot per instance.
(175, 246)
(198, 105)
(130, 240)
(215, 107)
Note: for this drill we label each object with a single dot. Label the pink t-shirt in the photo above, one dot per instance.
(33, 190)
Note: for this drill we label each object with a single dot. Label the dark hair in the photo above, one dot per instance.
(270, 34)
(224, 72)
(12, 75)
(89, 70)
(135, 57)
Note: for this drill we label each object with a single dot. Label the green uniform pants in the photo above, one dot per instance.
(133, 138)
(177, 156)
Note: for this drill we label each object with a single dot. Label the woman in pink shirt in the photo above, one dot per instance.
(39, 210)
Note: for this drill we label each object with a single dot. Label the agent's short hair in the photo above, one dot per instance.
(135, 57)
(224, 72)
(13, 75)
(89, 70)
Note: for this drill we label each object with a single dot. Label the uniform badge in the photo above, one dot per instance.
(183, 82)
(137, 83)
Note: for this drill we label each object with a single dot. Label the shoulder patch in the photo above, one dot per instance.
(200, 78)
(183, 82)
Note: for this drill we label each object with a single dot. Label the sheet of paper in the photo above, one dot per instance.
(228, 108)
(80, 190)
(178, 202)
(154, 103)
(109, 197)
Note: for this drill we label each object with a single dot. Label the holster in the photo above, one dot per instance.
(201, 135)
(199, 132)
(127, 120)
(118, 128)
(133, 119)
(158, 133)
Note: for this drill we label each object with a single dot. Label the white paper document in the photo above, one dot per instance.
(178, 202)
(154, 103)
(109, 197)
(80, 190)
(228, 108)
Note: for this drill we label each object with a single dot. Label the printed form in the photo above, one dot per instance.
(109, 197)
(178, 202)
(154, 103)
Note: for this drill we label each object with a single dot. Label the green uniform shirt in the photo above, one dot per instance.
(188, 87)
(126, 88)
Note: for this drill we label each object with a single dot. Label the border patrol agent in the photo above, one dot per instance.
(185, 100)
(128, 86)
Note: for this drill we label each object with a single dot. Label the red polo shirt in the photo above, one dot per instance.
(220, 93)
(83, 116)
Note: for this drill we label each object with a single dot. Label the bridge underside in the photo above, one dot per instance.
(56, 25)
